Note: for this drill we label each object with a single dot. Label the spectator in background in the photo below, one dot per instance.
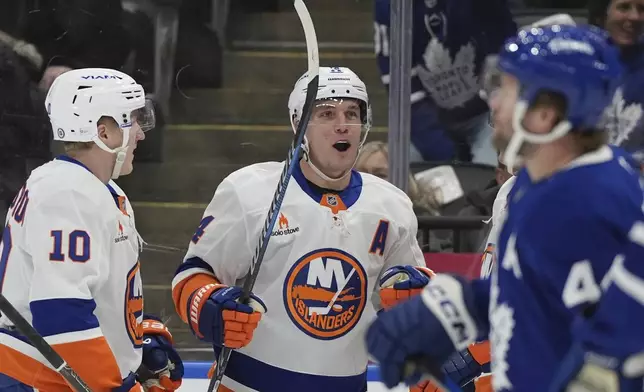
(24, 128)
(450, 40)
(78, 33)
(624, 20)
(374, 159)
(480, 203)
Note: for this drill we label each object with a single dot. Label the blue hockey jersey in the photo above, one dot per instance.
(623, 118)
(451, 38)
(552, 288)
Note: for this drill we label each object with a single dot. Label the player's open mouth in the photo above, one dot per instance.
(342, 145)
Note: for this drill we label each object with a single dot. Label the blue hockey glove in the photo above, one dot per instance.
(584, 371)
(129, 384)
(161, 368)
(215, 316)
(426, 328)
(463, 368)
(402, 282)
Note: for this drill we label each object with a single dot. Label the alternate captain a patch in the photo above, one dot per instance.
(325, 293)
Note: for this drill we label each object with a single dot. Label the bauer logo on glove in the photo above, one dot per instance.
(402, 282)
(216, 316)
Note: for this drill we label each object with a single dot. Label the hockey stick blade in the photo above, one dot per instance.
(292, 160)
(42, 346)
(422, 365)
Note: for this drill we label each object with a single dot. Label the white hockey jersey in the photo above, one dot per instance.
(499, 212)
(69, 264)
(318, 277)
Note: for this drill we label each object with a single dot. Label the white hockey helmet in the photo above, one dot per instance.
(79, 98)
(334, 83)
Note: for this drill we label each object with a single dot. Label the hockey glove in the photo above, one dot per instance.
(402, 282)
(584, 371)
(428, 327)
(161, 368)
(215, 315)
(461, 367)
(130, 384)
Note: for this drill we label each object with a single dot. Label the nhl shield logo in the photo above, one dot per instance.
(332, 200)
(325, 293)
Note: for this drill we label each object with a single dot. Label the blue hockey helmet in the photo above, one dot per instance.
(577, 62)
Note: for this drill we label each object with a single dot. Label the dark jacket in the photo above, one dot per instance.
(479, 203)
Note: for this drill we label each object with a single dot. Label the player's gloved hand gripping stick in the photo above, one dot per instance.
(291, 161)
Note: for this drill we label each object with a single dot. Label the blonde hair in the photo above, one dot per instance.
(420, 196)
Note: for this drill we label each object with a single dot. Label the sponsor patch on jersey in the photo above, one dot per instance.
(120, 236)
(134, 306)
(325, 293)
(283, 227)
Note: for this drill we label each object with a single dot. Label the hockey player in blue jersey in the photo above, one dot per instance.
(565, 304)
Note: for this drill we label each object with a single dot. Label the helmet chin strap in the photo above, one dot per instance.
(121, 152)
(512, 156)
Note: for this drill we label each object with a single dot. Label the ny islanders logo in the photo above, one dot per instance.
(134, 306)
(325, 293)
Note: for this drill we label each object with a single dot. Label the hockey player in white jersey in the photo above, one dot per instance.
(565, 302)
(341, 234)
(69, 259)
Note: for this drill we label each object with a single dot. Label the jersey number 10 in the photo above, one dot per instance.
(78, 246)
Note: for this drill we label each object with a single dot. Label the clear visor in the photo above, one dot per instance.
(491, 78)
(144, 116)
(340, 112)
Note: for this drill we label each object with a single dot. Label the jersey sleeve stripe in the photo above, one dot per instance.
(187, 274)
(31, 368)
(627, 282)
(636, 234)
(18, 343)
(194, 262)
(101, 372)
(72, 315)
(27, 370)
(75, 336)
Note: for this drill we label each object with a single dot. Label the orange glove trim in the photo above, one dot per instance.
(480, 352)
(183, 290)
(155, 327)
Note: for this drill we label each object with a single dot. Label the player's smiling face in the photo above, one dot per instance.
(334, 133)
(625, 20)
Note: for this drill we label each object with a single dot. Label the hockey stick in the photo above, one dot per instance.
(291, 161)
(42, 346)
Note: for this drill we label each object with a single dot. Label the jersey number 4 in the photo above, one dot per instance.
(580, 287)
